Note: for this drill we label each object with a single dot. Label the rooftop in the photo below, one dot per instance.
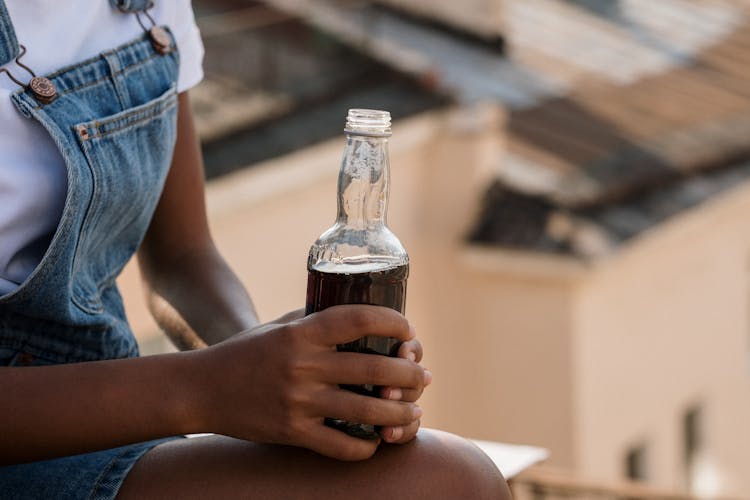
(624, 149)
(275, 84)
(620, 114)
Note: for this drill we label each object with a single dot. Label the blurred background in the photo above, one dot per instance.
(571, 180)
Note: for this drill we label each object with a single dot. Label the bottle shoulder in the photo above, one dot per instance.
(376, 247)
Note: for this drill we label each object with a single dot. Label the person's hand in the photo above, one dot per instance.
(276, 383)
(411, 350)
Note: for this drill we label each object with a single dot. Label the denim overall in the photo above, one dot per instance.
(114, 121)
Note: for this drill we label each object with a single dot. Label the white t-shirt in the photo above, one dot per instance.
(33, 177)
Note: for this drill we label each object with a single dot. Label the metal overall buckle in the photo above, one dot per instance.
(160, 39)
(43, 89)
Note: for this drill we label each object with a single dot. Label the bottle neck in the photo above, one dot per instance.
(364, 181)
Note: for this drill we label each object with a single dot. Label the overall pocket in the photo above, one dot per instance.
(128, 155)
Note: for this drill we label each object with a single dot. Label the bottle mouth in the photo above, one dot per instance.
(370, 122)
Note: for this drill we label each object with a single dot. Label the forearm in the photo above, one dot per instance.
(67, 409)
(273, 384)
(198, 300)
(194, 296)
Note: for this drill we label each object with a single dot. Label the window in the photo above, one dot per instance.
(636, 467)
(693, 441)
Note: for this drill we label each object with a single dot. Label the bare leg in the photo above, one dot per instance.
(435, 465)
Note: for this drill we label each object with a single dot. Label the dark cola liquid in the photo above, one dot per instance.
(385, 287)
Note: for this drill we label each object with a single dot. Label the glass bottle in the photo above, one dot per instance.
(359, 260)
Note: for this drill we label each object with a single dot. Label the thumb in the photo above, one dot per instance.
(290, 316)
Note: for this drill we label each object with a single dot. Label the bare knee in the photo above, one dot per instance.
(443, 465)
(436, 465)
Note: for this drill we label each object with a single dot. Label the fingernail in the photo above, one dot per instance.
(396, 433)
(395, 394)
(417, 412)
(427, 377)
(412, 356)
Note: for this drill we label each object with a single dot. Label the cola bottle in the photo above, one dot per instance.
(359, 260)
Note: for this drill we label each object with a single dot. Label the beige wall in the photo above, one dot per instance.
(495, 341)
(662, 326)
(518, 327)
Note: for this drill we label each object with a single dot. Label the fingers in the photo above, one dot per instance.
(342, 324)
(404, 393)
(344, 405)
(411, 349)
(400, 435)
(400, 394)
(290, 316)
(392, 393)
(336, 444)
(356, 368)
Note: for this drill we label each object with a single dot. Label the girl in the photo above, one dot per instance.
(98, 160)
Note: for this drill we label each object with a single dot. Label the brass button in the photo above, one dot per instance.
(160, 39)
(83, 131)
(43, 88)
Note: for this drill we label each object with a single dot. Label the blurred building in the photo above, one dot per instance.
(571, 181)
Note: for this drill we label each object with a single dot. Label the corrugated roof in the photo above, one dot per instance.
(275, 84)
(609, 104)
(608, 141)
(514, 219)
(625, 148)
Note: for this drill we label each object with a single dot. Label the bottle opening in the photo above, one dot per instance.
(370, 122)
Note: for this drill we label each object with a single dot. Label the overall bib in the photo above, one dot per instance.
(113, 118)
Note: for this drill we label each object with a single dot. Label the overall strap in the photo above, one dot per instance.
(128, 5)
(9, 49)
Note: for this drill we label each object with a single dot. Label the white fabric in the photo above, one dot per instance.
(33, 178)
(512, 459)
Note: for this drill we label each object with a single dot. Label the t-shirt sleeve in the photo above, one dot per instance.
(188, 38)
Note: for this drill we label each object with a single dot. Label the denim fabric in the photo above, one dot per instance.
(115, 124)
(88, 476)
(114, 121)
(130, 5)
(8, 44)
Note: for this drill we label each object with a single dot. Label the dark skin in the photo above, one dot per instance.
(270, 383)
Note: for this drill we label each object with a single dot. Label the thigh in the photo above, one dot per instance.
(435, 465)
